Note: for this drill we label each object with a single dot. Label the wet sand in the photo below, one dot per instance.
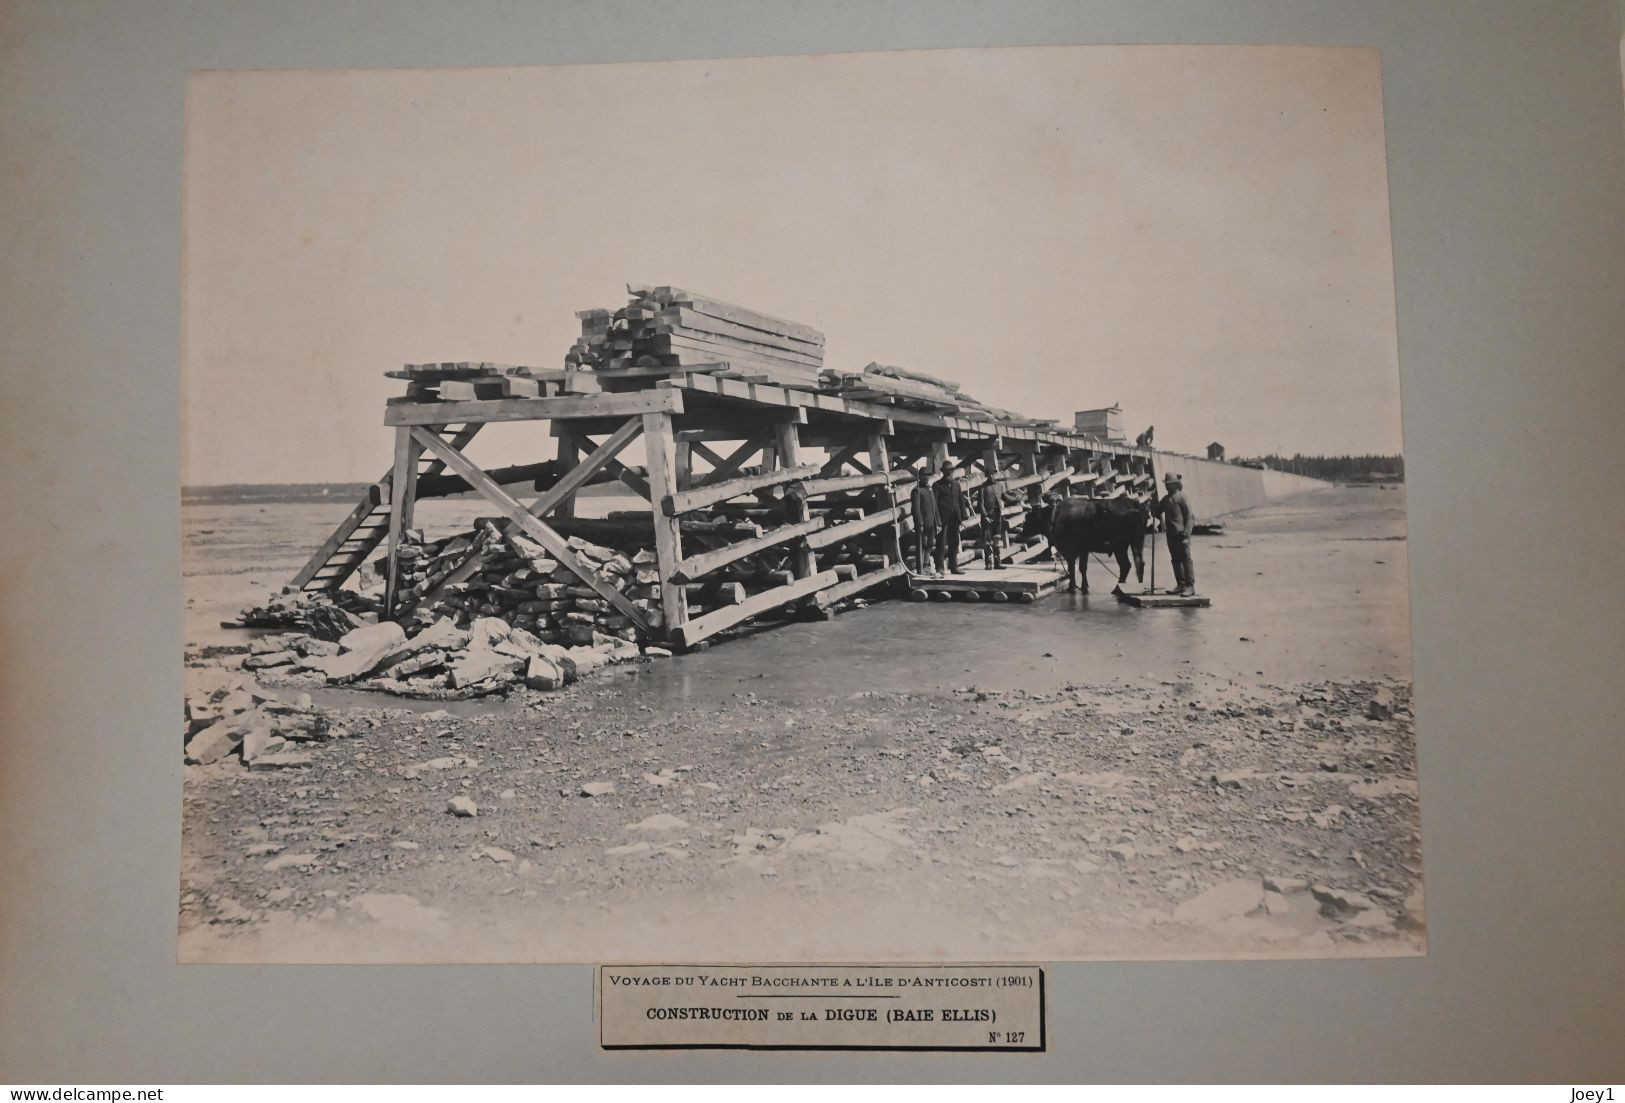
(1075, 778)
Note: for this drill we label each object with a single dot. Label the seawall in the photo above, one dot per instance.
(1215, 489)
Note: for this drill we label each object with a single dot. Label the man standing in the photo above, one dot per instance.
(991, 506)
(923, 503)
(1177, 522)
(953, 504)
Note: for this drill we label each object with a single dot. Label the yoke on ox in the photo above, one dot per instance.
(1078, 526)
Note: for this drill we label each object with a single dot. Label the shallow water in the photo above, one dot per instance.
(1316, 585)
(1312, 587)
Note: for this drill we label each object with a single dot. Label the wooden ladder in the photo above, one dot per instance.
(367, 525)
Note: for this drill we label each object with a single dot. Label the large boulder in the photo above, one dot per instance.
(369, 637)
(543, 673)
(487, 632)
(479, 664)
(215, 742)
(360, 662)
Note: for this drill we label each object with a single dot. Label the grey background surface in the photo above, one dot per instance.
(1505, 136)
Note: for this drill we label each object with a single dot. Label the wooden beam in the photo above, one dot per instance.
(699, 449)
(557, 497)
(675, 505)
(725, 469)
(841, 483)
(1051, 479)
(684, 451)
(578, 476)
(696, 566)
(828, 596)
(637, 483)
(789, 442)
(839, 459)
(403, 487)
(1025, 480)
(661, 448)
(708, 625)
(880, 462)
(847, 530)
(530, 525)
(656, 400)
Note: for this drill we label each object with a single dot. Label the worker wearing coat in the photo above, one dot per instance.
(923, 505)
(953, 506)
(990, 504)
(1177, 522)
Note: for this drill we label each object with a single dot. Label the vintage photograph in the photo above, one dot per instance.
(929, 505)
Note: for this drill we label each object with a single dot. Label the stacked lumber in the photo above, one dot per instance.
(889, 384)
(478, 379)
(668, 327)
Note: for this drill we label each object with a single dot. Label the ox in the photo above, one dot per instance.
(1078, 526)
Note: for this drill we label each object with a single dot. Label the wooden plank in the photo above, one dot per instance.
(656, 400)
(828, 596)
(532, 526)
(728, 348)
(691, 319)
(1164, 601)
(703, 627)
(661, 448)
(847, 530)
(675, 505)
(742, 315)
(1010, 580)
(697, 566)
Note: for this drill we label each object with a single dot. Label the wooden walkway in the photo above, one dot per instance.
(1022, 584)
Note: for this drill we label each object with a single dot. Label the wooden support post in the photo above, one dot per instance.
(685, 464)
(788, 440)
(662, 453)
(403, 488)
(880, 464)
(569, 453)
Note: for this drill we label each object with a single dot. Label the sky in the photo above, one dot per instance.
(1198, 234)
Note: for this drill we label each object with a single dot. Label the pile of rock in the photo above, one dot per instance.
(518, 582)
(487, 656)
(229, 714)
(314, 612)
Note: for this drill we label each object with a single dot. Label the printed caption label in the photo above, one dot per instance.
(954, 1007)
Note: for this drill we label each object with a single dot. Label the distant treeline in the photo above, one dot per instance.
(1337, 469)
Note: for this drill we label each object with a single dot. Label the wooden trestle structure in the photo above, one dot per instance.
(700, 430)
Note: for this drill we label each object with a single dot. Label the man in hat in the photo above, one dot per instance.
(923, 503)
(953, 506)
(1177, 522)
(990, 504)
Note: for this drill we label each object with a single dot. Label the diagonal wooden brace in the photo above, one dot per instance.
(530, 525)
